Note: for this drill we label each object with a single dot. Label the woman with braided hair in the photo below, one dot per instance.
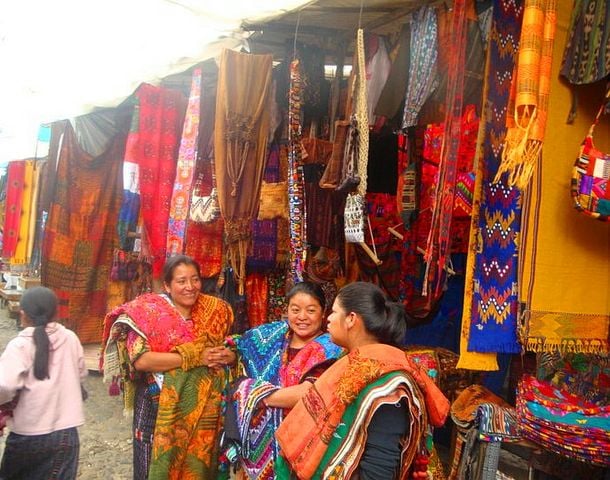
(41, 372)
(167, 350)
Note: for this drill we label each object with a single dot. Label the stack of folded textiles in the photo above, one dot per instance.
(562, 422)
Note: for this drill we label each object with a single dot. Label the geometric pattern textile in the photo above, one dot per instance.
(185, 169)
(563, 423)
(586, 57)
(493, 320)
(81, 233)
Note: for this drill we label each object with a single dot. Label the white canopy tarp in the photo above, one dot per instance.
(64, 58)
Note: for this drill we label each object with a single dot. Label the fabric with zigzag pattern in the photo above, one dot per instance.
(493, 326)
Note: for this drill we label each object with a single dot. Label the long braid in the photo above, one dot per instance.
(41, 357)
(39, 304)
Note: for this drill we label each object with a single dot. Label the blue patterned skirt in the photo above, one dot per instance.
(52, 456)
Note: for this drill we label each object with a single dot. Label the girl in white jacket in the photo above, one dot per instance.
(42, 368)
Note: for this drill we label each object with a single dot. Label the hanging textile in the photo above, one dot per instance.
(381, 212)
(240, 145)
(277, 304)
(564, 251)
(257, 290)
(32, 242)
(420, 308)
(295, 176)
(130, 208)
(464, 181)
(438, 242)
(484, 10)
(27, 224)
(323, 208)
(262, 257)
(393, 91)
(187, 155)
(526, 118)
(422, 63)
(80, 233)
(494, 311)
(38, 217)
(48, 179)
(282, 255)
(204, 241)
(377, 71)
(475, 360)
(161, 115)
(406, 186)
(586, 58)
(13, 205)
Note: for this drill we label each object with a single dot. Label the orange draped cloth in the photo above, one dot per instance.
(527, 116)
(304, 434)
(81, 234)
(240, 144)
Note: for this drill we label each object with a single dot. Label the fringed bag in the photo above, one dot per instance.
(205, 209)
(591, 176)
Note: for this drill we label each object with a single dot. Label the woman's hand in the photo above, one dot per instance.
(287, 397)
(218, 357)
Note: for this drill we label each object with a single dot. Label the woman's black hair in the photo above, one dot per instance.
(382, 318)
(40, 306)
(174, 262)
(309, 288)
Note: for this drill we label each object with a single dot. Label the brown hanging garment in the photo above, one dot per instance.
(240, 143)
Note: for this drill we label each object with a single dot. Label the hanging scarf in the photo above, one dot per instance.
(130, 209)
(33, 217)
(80, 233)
(161, 115)
(187, 154)
(240, 145)
(474, 360)
(13, 205)
(422, 66)
(532, 84)
(438, 243)
(28, 208)
(495, 303)
(256, 295)
(295, 176)
(378, 67)
(204, 241)
(264, 232)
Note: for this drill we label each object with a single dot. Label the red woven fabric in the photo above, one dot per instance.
(161, 117)
(14, 198)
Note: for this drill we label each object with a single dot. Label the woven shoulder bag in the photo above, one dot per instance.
(591, 175)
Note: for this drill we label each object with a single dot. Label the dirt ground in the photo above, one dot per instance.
(105, 439)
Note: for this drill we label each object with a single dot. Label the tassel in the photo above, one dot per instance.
(114, 389)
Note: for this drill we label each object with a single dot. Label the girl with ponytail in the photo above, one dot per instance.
(368, 415)
(41, 370)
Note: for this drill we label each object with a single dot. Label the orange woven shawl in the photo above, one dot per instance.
(304, 434)
(526, 119)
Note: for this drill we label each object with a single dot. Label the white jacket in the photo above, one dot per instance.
(48, 405)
